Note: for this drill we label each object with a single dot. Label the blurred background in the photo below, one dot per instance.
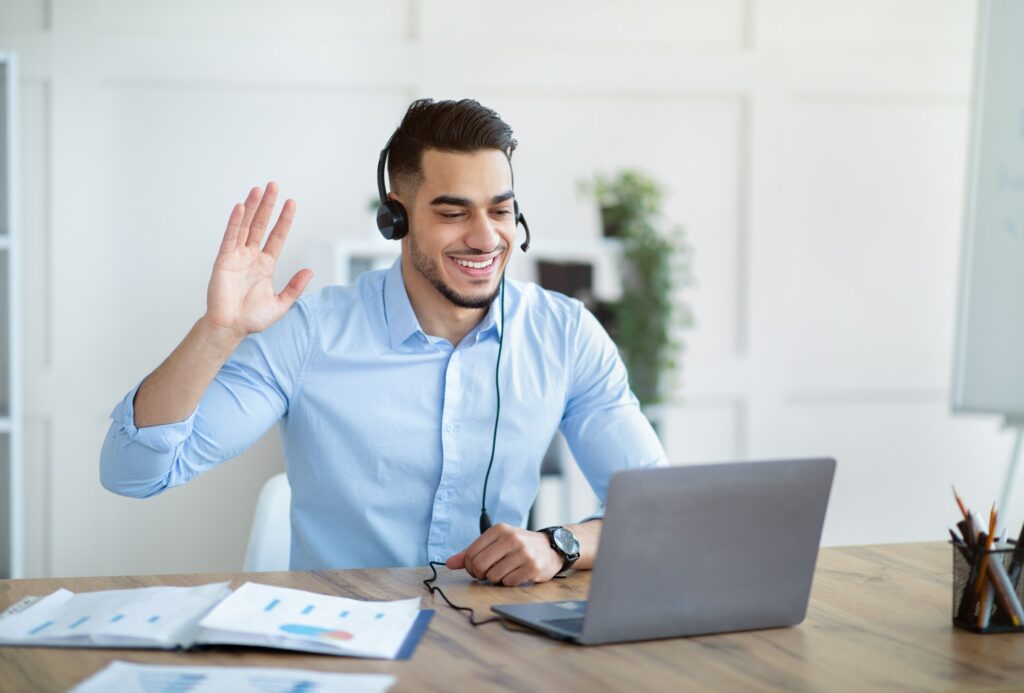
(812, 151)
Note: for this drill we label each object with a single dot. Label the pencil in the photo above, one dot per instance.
(982, 582)
(1003, 589)
(959, 502)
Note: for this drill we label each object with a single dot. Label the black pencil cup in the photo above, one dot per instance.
(966, 567)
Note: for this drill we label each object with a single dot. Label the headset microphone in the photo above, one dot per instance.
(520, 219)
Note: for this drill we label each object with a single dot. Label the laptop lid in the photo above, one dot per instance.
(707, 548)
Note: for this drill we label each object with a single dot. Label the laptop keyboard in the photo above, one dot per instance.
(571, 625)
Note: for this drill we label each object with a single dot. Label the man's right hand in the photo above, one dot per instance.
(240, 299)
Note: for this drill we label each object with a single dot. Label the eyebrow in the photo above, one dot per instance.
(466, 202)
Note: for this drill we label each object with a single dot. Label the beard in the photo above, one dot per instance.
(432, 273)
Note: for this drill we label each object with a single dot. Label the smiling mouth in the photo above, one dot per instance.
(478, 267)
(475, 265)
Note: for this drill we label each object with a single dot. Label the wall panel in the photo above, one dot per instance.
(24, 15)
(37, 280)
(896, 463)
(694, 23)
(871, 243)
(889, 25)
(297, 18)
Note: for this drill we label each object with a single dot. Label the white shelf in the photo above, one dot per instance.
(11, 493)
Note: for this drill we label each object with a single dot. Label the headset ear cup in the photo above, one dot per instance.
(391, 220)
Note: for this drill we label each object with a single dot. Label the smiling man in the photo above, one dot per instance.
(399, 396)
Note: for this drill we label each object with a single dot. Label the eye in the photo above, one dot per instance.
(503, 212)
(450, 215)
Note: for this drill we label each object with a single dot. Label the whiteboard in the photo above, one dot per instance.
(989, 364)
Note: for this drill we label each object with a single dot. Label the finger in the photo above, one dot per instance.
(262, 216)
(517, 577)
(295, 287)
(252, 201)
(275, 241)
(456, 561)
(234, 224)
(482, 542)
(503, 567)
(493, 554)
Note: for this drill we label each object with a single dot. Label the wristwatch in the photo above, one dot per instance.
(565, 543)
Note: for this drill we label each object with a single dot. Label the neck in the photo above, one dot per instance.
(438, 316)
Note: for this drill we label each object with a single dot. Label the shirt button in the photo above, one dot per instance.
(437, 558)
(449, 427)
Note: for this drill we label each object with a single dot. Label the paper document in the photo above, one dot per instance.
(126, 677)
(254, 614)
(151, 617)
(264, 615)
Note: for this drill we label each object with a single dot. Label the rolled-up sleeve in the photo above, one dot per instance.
(249, 394)
(602, 423)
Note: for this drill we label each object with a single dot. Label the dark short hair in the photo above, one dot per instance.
(447, 126)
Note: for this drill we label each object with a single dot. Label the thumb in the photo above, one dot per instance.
(294, 289)
(457, 561)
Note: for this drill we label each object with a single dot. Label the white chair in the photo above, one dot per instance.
(270, 539)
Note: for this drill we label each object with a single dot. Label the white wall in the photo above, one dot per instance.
(814, 151)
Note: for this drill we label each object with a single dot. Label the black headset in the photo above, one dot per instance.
(393, 224)
(392, 220)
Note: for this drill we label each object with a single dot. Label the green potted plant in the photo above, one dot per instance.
(655, 264)
(623, 198)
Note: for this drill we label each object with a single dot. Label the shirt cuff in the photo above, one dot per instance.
(163, 438)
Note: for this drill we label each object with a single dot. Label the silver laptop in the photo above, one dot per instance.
(697, 549)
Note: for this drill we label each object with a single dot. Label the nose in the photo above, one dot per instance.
(483, 234)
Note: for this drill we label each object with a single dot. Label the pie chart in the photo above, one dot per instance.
(315, 631)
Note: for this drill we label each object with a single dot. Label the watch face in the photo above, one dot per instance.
(566, 541)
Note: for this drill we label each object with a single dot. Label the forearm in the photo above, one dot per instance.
(173, 391)
(587, 534)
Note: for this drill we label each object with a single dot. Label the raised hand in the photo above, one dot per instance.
(240, 299)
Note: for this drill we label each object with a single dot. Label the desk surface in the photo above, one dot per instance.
(879, 618)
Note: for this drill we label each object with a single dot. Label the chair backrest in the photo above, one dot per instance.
(270, 539)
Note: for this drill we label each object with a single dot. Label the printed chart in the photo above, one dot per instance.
(144, 617)
(316, 621)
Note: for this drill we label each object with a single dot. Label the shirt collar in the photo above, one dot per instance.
(491, 324)
(401, 319)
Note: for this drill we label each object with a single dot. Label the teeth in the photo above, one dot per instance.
(475, 265)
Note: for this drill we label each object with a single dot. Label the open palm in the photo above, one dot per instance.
(241, 295)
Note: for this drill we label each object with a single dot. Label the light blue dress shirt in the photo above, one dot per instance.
(387, 430)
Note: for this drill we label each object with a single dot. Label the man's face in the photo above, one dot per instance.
(462, 224)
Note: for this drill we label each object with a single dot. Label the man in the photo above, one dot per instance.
(388, 391)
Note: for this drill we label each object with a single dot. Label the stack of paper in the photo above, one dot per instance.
(255, 614)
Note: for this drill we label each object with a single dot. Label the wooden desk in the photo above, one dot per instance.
(879, 619)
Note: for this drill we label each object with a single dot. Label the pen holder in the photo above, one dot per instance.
(967, 598)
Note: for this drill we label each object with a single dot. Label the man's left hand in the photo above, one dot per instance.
(509, 556)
